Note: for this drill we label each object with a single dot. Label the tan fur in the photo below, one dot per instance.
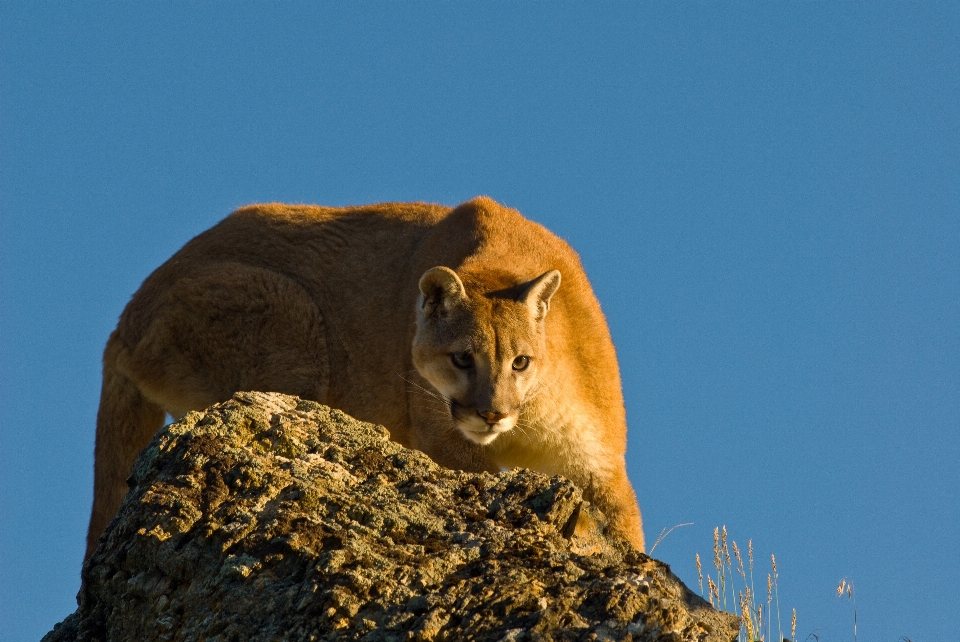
(365, 309)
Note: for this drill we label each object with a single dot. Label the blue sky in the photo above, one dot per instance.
(766, 197)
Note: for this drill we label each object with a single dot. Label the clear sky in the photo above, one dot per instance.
(765, 195)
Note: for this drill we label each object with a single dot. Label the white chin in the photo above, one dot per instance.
(482, 438)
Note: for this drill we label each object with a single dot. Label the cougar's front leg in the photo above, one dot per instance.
(613, 495)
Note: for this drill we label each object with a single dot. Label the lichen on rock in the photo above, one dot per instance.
(268, 517)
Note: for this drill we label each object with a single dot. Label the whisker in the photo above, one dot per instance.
(420, 390)
(440, 398)
(429, 403)
(520, 428)
(523, 429)
(433, 406)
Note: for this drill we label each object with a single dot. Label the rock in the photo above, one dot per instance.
(271, 518)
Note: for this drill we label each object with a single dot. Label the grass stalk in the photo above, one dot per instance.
(846, 586)
(776, 593)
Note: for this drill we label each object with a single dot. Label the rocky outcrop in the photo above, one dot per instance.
(271, 518)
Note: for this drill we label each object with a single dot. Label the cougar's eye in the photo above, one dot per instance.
(521, 363)
(462, 359)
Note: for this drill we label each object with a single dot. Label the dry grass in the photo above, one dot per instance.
(734, 592)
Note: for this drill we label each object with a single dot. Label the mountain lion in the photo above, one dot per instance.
(448, 326)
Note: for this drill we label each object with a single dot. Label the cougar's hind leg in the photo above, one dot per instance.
(228, 328)
(126, 421)
(216, 331)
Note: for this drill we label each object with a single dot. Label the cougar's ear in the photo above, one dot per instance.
(538, 292)
(440, 289)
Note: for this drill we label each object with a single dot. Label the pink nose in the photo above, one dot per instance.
(492, 417)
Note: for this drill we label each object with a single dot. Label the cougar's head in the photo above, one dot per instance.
(482, 350)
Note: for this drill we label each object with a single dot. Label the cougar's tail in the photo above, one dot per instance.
(126, 422)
